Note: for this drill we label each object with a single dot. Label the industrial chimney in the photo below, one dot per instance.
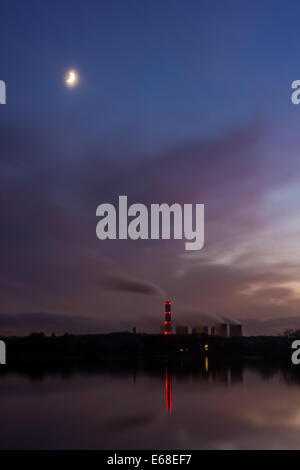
(167, 325)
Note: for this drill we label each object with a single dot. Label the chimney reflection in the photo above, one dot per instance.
(201, 372)
(168, 393)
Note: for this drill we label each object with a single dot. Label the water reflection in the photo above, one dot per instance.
(152, 403)
(168, 392)
(228, 374)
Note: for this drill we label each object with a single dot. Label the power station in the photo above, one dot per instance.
(222, 326)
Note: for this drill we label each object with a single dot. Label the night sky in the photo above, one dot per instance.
(178, 101)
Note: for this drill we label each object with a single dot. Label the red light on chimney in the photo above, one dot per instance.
(167, 322)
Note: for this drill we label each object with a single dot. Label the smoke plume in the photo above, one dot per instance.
(132, 285)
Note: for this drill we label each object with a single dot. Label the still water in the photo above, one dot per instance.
(152, 406)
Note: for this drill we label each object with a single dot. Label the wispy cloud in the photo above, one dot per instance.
(52, 260)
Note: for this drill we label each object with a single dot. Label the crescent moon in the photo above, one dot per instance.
(71, 78)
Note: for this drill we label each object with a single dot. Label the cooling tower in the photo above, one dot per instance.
(219, 330)
(200, 330)
(235, 329)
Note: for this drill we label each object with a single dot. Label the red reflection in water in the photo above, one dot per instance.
(168, 393)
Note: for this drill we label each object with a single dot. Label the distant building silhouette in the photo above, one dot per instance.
(182, 330)
(2, 352)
